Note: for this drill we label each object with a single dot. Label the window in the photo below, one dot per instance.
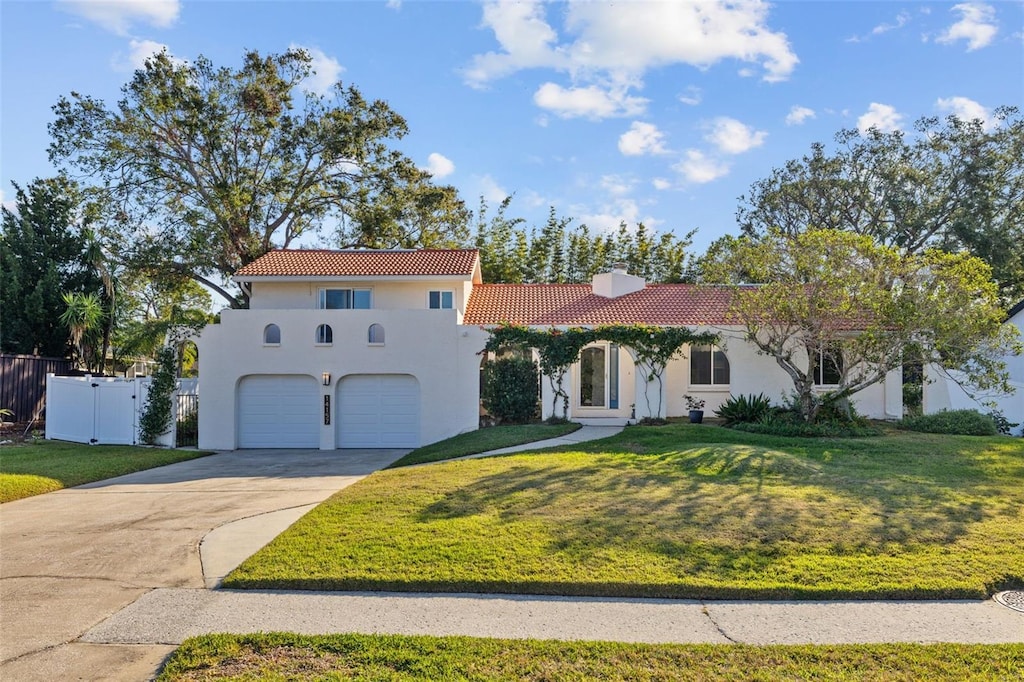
(708, 366)
(375, 334)
(599, 377)
(272, 335)
(344, 299)
(324, 334)
(828, 365)
(441, 300)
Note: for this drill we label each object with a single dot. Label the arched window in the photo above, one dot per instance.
(375, 334)
(272, 335)
(708, 366)
(324, 334)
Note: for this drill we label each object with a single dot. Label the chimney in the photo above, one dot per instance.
(616, 283)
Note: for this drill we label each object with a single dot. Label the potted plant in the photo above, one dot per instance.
(696, 408)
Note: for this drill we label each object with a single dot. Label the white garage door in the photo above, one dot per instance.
(279, 411)
(378, 411)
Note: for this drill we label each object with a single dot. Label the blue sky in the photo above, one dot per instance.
(661, 112)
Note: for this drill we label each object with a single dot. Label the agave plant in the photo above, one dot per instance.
(745, 408)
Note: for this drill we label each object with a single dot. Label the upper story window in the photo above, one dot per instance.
(272, 335)
(441, 300)
(324, 334)
(344, 299)
(828, 366)
(708, 366)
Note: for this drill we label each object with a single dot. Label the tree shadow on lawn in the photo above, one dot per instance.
(723, 505)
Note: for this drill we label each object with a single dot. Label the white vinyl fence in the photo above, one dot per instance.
(102, 411)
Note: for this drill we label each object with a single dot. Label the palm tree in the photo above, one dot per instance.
(83, 318)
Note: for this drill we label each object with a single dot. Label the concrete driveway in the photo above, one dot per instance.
(70, 559)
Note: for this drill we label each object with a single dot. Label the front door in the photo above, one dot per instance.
(599, 377)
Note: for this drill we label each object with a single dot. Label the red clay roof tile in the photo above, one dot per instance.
(362, 263)
(575, 304)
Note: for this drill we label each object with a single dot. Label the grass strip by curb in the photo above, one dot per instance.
(396, 657)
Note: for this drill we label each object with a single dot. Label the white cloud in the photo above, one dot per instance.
(732, 137)
(326, 70)
(902, 19)
(138, 52)
(642, 138)
(691, 96)
(587, 102)
(394, 4)
(525, 38)
(798, 114)
(965, 109)
(661, 183)
(697, 168)
(881, 116)
(10, 205)
(490, 190)
(616, 185)
(118, 16)
(608, 216)
(608, 47)
(439, 166)
(977, 25)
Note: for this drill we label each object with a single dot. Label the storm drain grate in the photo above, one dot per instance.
(1012, 600)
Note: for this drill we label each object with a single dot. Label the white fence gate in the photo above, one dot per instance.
(102, 411)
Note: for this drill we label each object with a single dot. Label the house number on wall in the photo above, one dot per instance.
(327, 410)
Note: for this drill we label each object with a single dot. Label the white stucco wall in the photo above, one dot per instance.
(386, 295)
(951, 390)
(426, 344)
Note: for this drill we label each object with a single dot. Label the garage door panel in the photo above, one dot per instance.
(278, 411)
(378, 411)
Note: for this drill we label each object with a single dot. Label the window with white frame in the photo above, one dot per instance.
(708, 366)
(828, 365)
(324, 334)
(344, 299)
(272, 335)
(441, 300)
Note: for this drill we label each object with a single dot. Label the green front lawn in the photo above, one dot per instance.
(677, 511)
(28, 469)
(277, 656)
(482, 440)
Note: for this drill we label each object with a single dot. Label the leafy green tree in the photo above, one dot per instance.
(42, 256)
(953, 185)
(838, 298)
(213, 167)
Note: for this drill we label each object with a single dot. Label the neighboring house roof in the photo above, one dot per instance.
(574, 304)
(463, 263)
(1015, 309)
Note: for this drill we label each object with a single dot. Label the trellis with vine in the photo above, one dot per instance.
(653, 346)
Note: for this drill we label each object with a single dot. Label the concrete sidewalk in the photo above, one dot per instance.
(580, 435)
(168, 616)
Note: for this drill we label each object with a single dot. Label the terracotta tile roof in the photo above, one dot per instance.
(574, 304)
(361, 263)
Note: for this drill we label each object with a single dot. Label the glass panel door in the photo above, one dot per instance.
(592, 377)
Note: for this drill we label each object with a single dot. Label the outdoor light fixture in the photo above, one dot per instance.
(327, 378)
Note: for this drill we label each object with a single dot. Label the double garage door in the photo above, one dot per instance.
(370, 411)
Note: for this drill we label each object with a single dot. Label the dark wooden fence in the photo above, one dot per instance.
(23, 383)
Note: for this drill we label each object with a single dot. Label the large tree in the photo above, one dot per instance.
(43, 255)
(213, 167)
(838, 303)
(952, 184)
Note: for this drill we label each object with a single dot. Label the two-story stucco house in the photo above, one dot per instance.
(354, 349)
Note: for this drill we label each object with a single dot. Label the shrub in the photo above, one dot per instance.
(800, 429)
(912, 397)
(510, 389)
(954, 422)
(745, 409)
